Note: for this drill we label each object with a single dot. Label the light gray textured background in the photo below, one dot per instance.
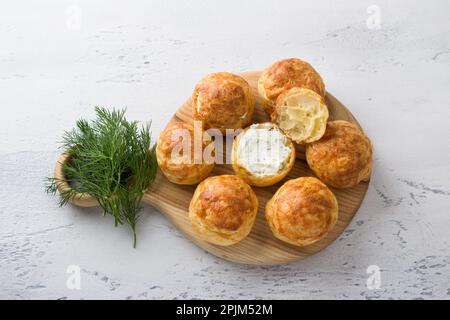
(147, 55)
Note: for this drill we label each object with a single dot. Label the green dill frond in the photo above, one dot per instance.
(111, 159)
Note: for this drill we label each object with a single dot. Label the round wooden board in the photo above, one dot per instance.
(260, 247)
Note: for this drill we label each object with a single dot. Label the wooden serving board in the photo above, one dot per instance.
(260, 247)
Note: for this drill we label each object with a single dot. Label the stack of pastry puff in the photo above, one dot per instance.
(302, 211)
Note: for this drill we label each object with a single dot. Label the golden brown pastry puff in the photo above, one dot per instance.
(223, 209)
(177, 157)
(286, 74)
(262, 155)
(302, 211)
(223, 100)
(342, 157)
(301, 114)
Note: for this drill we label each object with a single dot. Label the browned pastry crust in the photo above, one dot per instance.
(286, 74)
(302, 211)
(181, 168)
(223, 100)
(342, 158)
(223, 209)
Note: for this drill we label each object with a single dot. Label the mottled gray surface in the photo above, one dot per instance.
(148, 56)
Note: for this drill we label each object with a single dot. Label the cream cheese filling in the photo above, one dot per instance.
(263, 150)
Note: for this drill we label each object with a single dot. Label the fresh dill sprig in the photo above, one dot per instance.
(112, 160)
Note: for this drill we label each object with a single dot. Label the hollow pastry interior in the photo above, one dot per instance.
(301, 114)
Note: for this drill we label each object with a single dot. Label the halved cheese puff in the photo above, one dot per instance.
(301, 114)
